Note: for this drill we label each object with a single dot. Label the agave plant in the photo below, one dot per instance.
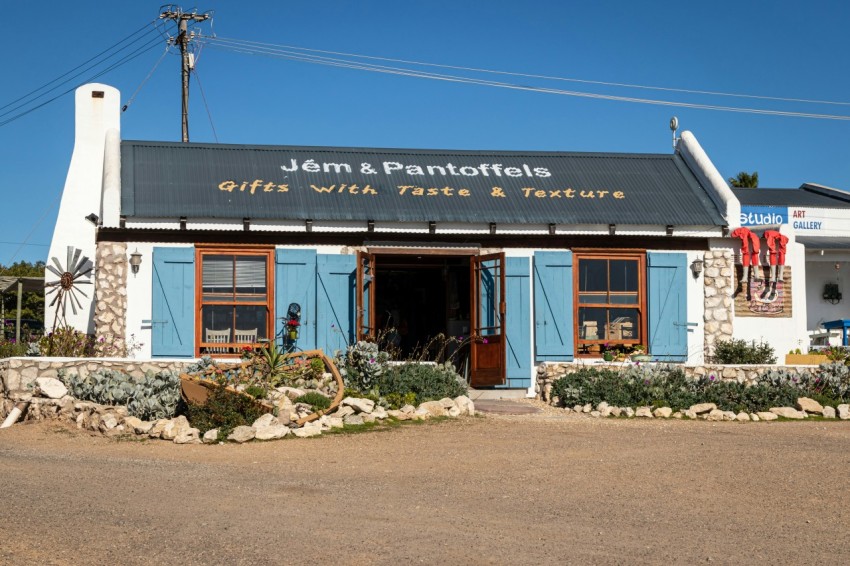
(152, 396)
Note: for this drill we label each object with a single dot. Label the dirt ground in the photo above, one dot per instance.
(543, 489)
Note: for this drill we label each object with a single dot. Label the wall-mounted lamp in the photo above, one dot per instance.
(432, 227)
(93, 218)
(308, 225)
(246, 224)
(696, 267)
(669, 230)
(492, 227)
(370, 225)
(183, 222)
(135, 261)
(612, 229)
(551, 229)
(725, 231)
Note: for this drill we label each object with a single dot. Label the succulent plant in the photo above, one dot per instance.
(152, 396)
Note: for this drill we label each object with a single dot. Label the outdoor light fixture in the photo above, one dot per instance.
(696, 267)
(183, 221)
(725, 231)
(432, 227)
(492, 227)
(93, 218)
(246, 224)
(612, 229)
(669, 229)
(308, 225)
(370, 225)
(135, 261)
(551, 229)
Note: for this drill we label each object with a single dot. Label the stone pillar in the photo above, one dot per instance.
(719, 311)
(110, 313)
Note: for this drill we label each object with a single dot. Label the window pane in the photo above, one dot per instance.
(593, 275)
(624, 298)
(591, 323)
(593, 298)
(250, 275)
(217, 275)
(250, 323)
(624, 275)
(217, 323)
(623, 325)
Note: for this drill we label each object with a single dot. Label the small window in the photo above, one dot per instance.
(609, 299)
(235, 300)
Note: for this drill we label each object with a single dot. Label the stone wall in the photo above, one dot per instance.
(110, 293)
(549, 372)
(18, 374)
(719, 311)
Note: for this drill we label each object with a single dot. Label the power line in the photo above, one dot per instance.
(204, 98)
(126, 59)
(327, 61)
(526, 75)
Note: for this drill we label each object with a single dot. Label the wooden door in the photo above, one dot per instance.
(366, 296)
(487, 350)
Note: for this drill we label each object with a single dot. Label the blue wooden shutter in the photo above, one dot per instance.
(295, 282)
(173, 302)
(553, 306)
(667, 304)
(517, 331)
(335, 303)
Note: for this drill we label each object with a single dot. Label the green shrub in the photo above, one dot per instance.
(397, 400)
(316, 400)
(427, 382)
(153, 396)
(740, 352)
(362, 365)
(224, 410)
(256, 391)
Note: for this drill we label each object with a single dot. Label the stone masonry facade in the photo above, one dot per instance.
(110, 312)
(719, 305)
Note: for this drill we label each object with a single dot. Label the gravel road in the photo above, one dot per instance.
(543, 489)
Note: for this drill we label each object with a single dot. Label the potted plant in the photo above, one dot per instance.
(831, 294)
(639, 354)
(607, 354)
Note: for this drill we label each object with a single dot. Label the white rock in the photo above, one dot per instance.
(291, 392)
(447, 403)
(359, 405)
(266, 420)
(211, 436)
(645, 412)
(309, 429)
(595, 414)
(844, 411)
(701, 408)
(335, 422)
(788, 412)
(157, 428)
(766, 416)
(577, 408)
(421, 414)
(629, 412)
(677, 415)
(188, 436)
(616, 411)
(353, 420)
(397, 414)
(690, 414)
(409, 409)
(108, 422)
(662, 412)
(729, 415)
(809, 405)
(754, 417)
(367, 417)
(379, 413)
(51, 387)
(465, 404)
(271, 432)
(343, 411)
(242, 434)
(828, 412)
(601, 407)
(742, 417)
(434, 408)
(175, 427)
(714, 415)
(587, 408)
(604, 411)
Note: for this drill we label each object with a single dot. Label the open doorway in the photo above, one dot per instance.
(407, 300)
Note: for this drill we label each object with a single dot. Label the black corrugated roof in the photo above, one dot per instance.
(807, 195)
(164, 179)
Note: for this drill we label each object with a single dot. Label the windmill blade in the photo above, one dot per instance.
(52, 284)
(58, 265)
(72, 265)
(68, 259)
(73, 306)
(80, 291)
(86, 266)
(75, 300)
(51, 290)
(83, 282)
(53, 270)
(55, 299)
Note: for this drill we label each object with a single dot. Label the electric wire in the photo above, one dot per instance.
(320, 60)
(126, 59)
(47, 209)
(77, 67)
(204, 98)
(69, 79)
(527, 75)
(150, 74)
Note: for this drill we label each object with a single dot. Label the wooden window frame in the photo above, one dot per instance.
(236, 250)
(578, 256)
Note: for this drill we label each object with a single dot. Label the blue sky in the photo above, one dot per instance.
(780, 48)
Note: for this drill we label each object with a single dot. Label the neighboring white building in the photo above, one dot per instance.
(545, 256)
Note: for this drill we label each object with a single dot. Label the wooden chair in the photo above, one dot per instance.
(216, 337)
(245, 336)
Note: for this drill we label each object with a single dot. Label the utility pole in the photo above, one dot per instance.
(183, 38)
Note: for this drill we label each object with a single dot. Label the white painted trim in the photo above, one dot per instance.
(710, 178)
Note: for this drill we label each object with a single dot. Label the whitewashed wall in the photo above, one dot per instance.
(820, 269)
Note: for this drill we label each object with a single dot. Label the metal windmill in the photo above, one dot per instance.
(66, 288)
